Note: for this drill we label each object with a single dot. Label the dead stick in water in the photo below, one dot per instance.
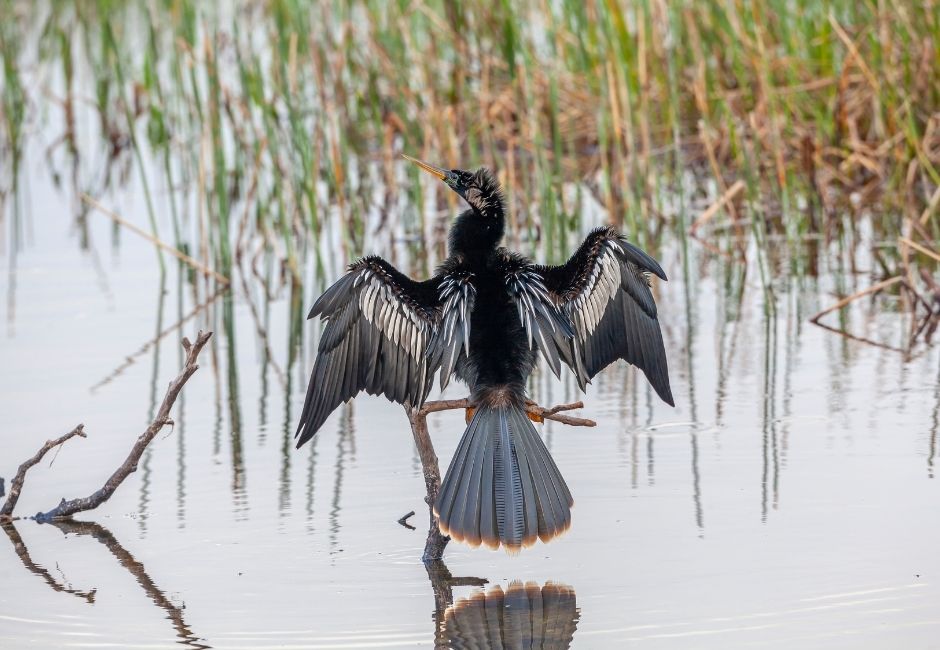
(172, 250)
(920, 249)
(884, 284)
(418, 417)
(131, 359)
(16, 486)
(713, 209)
(68, 508)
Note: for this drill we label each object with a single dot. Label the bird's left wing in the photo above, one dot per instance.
(604, 291)
(385, 334)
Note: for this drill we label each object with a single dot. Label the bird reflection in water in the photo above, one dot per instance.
(521, 616)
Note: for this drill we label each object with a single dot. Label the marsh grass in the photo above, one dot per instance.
(274, 128)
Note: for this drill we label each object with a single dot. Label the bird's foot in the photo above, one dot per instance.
(468, 413)
(533, 411)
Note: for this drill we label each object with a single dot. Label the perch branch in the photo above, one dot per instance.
(68, 508)
(436, 541)
(6, 512)
(531, 407)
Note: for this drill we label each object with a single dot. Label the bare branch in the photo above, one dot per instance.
(403, 520)
(436, 541)
(6, 512)
(69, 508)
(531, 407)
(443, 405)
(884, 284)
(552, 414)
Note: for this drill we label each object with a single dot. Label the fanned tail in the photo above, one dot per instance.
(502, 487)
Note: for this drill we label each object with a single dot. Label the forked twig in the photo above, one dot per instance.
(530, 407)
(16, 485)
(68, 508)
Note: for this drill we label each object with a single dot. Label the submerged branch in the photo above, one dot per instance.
(69, 508)
(16, 486)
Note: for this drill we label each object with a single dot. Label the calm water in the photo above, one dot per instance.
(789, 499)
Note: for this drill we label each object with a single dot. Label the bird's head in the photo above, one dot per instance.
(482, 226)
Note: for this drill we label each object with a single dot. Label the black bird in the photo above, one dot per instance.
(483, 318)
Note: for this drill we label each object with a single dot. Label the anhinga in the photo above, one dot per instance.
(483, 318)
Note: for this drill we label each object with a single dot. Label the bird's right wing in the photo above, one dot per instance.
(385, 334)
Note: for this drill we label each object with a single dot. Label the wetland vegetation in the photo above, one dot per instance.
(171, 165)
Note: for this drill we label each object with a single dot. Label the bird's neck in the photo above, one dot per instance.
(474, 236)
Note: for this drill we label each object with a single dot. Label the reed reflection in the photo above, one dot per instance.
(345, 446)
(934, 426)
(691, 319)
(144, 501)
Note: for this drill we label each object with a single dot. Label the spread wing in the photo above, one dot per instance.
(604, 291)
(385, 334)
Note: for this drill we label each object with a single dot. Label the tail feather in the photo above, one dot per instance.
(551, 513)
(555, 497)
(468, 509)
(521, 426)
(507, 492)
(445, 497)
(502, 486)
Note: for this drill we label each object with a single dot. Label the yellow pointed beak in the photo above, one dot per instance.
(431, 169)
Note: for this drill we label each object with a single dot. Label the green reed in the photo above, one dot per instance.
(269, 121)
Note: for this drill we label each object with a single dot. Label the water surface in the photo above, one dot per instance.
(789, 499)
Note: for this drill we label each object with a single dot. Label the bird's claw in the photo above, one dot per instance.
(468, 413)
